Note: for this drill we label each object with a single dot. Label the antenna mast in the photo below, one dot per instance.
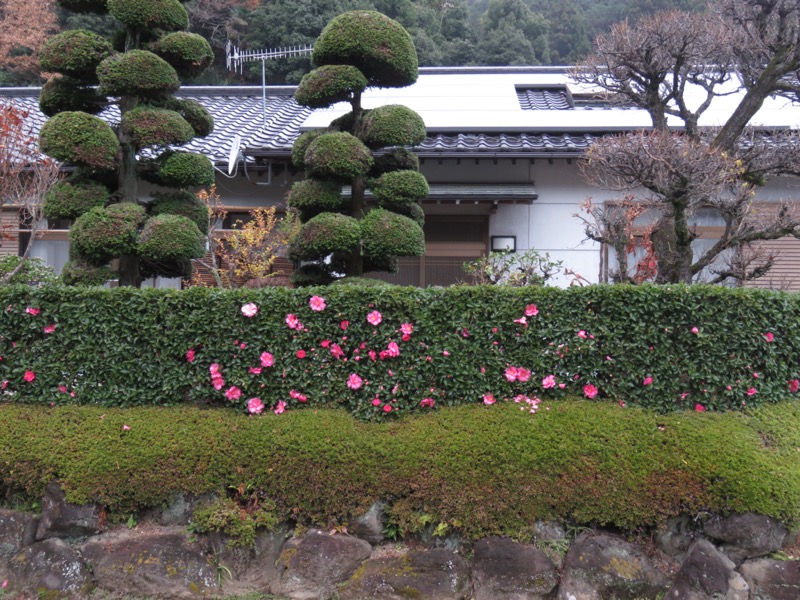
(236, 58)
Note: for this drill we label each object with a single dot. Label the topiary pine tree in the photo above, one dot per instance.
(348, 236)
(158, 237)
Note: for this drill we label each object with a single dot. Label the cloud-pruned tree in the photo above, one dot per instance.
(157, 236)
(366, 149)
(674, 65)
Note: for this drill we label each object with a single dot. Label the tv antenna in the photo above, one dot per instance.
(235, 59)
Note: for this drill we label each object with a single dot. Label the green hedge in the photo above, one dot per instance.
(478, 469)
(662, 347)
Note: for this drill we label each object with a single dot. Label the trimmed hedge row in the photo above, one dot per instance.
(481, 470)
(384, 351)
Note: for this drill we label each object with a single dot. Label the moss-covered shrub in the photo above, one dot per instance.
(395, 159)
(346, 122)
(147, 15)
(189, 53)
(83, 6)
(80, 138)
(75, 53)
(313, 274)
(170, 237)
(301, 144)
(77, 272)
(400, 186)
(239, 522)
(389, 234)
(181, 203)
(62, 94)
(393, 125)
(412, 210)
(337, 155)
(185, 169)
(104, 233)
(324, 234)
(311, 197)
(70, 198)
(378, 46)
(150, 126)
(330, 84)
(195, 114)
(137, 73)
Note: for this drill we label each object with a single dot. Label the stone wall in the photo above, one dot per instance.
(69, 551)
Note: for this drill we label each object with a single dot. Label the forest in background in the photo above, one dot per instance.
(446, 32)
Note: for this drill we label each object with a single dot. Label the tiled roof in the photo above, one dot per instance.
(544, 98)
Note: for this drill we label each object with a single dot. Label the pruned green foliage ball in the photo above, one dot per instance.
(330, 84)
(396, 159)
(170, 237)
(393, 125)
(77, 272)
(150, 126)
(185, 169)
(181, 203)
(300, 146)
(62, 94)
(323, 235)
(338, 155)
(84, 6)
(311, 197)
(400, 186)
(79, 138)
(69, 199)
(195, 114)
(137, 73)
(188, 52)
(386, 234)
(75, 53)
(104, 233)
(375, 44)
(412, 210)
(146, 15)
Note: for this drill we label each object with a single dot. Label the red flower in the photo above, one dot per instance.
(301, 354)
(647, 380)
(190, 355)
(794, 385)
(344, 325)
(29, 376)
(769, 336)
(699, 408)
(427, 403)
(387, 408)
(590, 390)
(32, 311)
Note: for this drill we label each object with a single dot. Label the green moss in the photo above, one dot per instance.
(393, 125)
(75, 53)
(70, 198)
(62, 94)
(378, 46)
(325, 234)
(170, 237)
(189, 53)
(184, 169)
(389, 234)
(77, 272)
(337, 155)
(80, 138)
(400, 187)
(181, 203)
(105, 233)
(301, 145)
(311, 197)
(239, 523)
(330, 84)
(137, 73)
(146, 15)
(195, 114)
(149, 126)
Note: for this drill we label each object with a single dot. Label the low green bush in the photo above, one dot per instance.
(478, 469)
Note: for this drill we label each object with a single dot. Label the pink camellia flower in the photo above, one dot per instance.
(531, 310)
(49, 328)
(337, 352)
(427, 403)
(549, 382)
(301, 354)
(794, 385)
(255, 370)
(522, 321)
(695, 330)
(344, 325)
(317, 303)
(647, 380)
(213, 368)
(63, 389)
(190, 355)
(590, 391)
(250, 310)
(511, 373)
(376, 401)
(374, 318)
(233, 393)
(445, 353)
(752, 391)
(3, 384)
(325, 343)
(126, 428)
(267, 360)
(769, 336)
(280, 408)
(298, 396)
(582, 334)
(488, 399)
(4, 584)
(523, 374)
(406, 328)
(387, 408)
(393, 350)
(699, 408)
(29, 376)
(354, 382)
(255, 406)
(32, 311)
(292, 322)
(217, 382)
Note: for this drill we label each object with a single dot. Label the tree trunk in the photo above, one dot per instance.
(673, 256)
(129, 273)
